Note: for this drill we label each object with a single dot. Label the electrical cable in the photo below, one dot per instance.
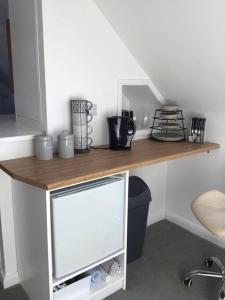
(99, 148)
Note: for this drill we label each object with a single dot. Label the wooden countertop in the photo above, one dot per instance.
(58, 173)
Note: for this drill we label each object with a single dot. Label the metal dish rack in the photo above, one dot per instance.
(165, 132)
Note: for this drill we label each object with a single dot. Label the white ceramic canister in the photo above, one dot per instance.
(43, 146)
(66, 144)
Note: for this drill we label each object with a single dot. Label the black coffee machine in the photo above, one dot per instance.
(121, 132)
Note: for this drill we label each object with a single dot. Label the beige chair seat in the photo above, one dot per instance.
(209, 209)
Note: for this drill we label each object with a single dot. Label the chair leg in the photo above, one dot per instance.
(188, 278)
(222, 292)
(210, 260)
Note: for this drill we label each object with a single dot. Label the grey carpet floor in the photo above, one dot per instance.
(169, 253)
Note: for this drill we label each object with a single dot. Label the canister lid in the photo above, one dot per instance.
(65, 135)
(43, 137)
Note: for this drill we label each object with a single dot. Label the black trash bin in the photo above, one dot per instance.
(138, 205)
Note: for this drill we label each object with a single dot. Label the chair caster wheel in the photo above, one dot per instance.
(208, 262)
(222, 295)
(188, 282)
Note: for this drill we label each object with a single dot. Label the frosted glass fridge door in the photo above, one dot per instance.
(87, 226)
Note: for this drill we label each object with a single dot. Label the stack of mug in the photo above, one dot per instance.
(80, 118)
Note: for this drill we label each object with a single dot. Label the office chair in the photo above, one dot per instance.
(209, 209)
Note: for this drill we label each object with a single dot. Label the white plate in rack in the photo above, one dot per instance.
(170, 107)
(168, 116)
(170, 126)
(169, 137)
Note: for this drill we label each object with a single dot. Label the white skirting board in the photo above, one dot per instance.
(9, 279)
(155, 216)
(195, 229)
(186, 224)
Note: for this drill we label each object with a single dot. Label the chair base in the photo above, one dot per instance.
(220, 274)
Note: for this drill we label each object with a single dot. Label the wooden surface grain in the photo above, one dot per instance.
(57, 173)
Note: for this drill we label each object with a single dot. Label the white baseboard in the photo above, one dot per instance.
(195, 229)
(155, 217)
(9, 280)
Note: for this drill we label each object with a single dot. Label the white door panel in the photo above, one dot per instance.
(87, 226)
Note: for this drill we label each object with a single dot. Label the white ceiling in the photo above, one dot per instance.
(179, 43)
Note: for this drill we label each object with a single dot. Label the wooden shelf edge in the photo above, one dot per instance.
(86, 166)
(206, 147)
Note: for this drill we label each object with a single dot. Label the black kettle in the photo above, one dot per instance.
(121, 132)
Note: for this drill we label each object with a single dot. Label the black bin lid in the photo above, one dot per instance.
(139, 193)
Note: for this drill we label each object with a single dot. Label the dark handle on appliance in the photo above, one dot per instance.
(133, 125)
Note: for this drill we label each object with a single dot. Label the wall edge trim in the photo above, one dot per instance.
(194, 228)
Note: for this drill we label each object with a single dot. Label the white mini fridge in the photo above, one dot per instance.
(87, 224)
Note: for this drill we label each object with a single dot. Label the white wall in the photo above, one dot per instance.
(87, 62)
(180, 44)
(84, 58)
(189, 177)
(27, 62)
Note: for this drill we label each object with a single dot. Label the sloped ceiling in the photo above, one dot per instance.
(179, 43)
